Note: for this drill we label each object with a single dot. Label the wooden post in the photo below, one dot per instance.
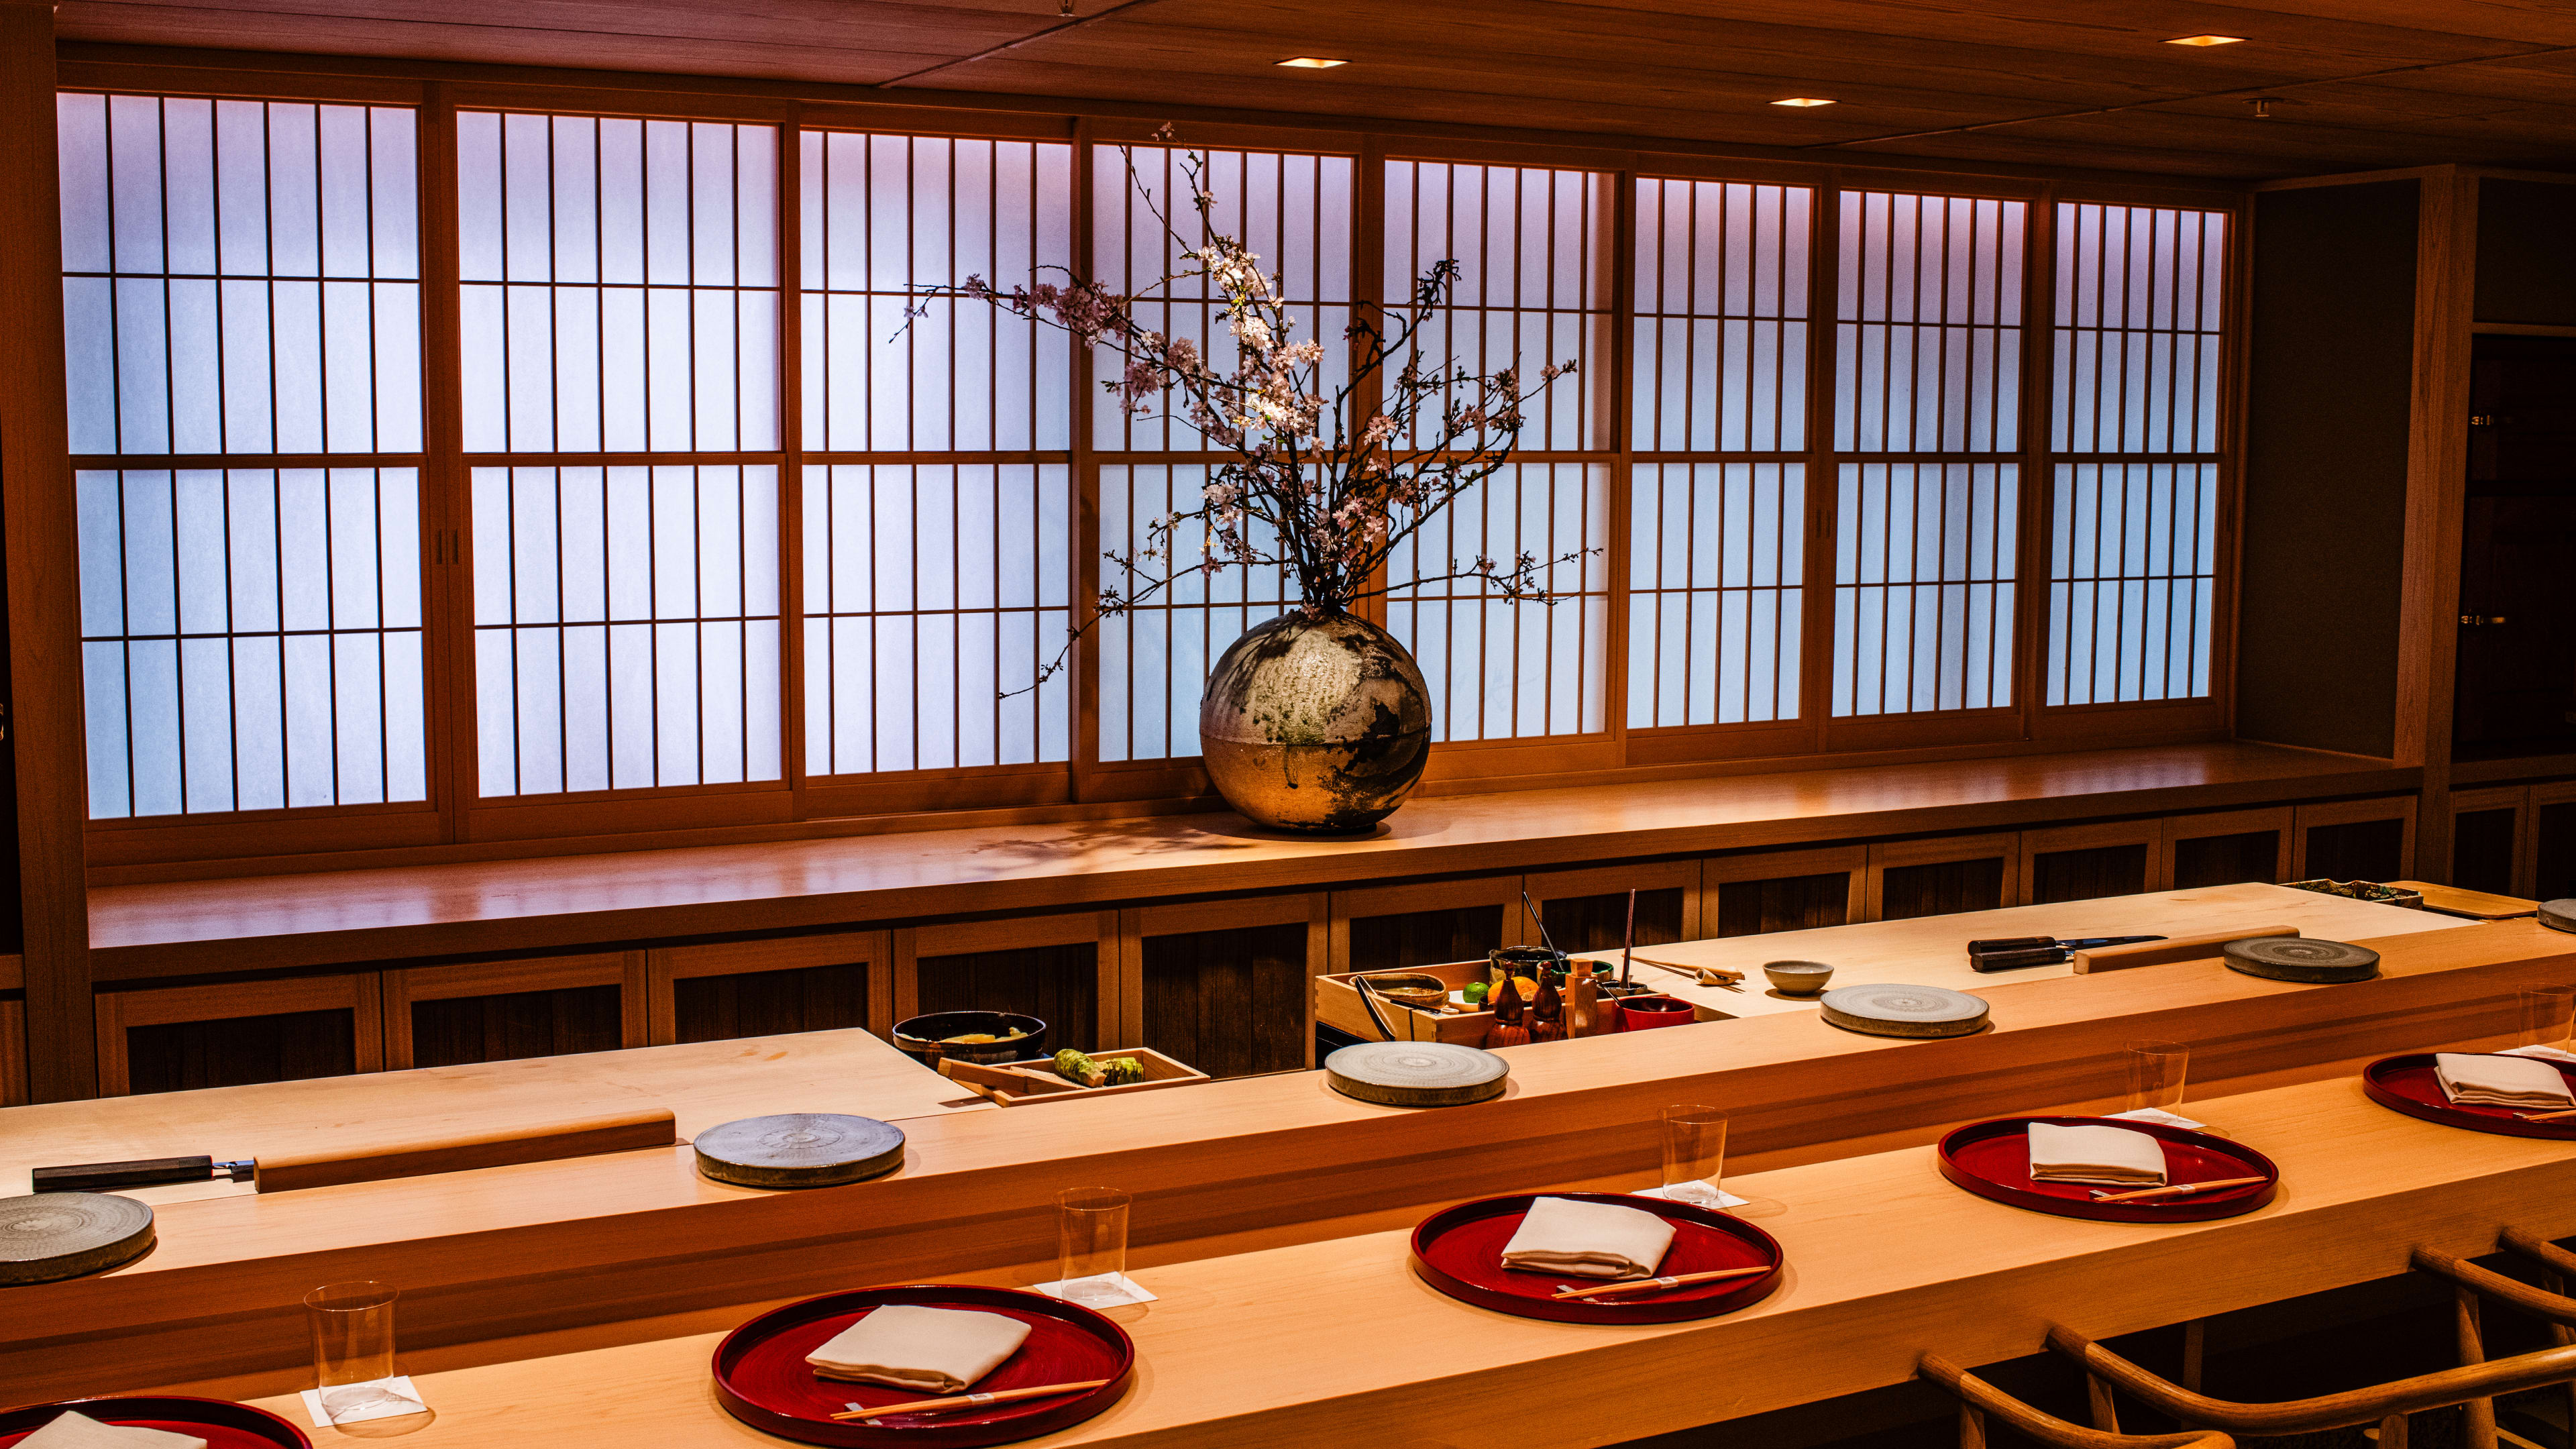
(44, 705)
(2428, 626)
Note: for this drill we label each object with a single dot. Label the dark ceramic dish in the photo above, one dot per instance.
(924, 1038)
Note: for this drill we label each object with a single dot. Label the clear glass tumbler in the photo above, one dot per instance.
(1091, 1243)
(2548, 1015)
(353, 1332)
(1694, 1153)
(2156, 1073)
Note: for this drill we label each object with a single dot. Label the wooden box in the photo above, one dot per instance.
(1020, 1084)
(1337, 1003)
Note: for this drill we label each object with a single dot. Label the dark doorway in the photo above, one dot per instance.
(2516, 690)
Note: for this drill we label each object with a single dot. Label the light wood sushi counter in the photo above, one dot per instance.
(542, 1296)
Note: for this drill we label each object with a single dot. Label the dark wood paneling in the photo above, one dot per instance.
(1059, 985)
(1757, 907)
(2482, 844)
(1424, 938)
(1597, 923)
(2523, 231)
(186, 1055)
(2556, 828)
(1230, 1003)
(518, 1024)
(2215, 860)
(2330, 383)
(766, 1003)
(2082, 875)
(1941, 888)
(2357, 850)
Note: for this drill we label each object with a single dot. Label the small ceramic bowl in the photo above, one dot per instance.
(1798, 978)
(1644, 1013)
(1414, 989)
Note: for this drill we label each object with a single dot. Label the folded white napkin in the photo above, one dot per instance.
(78, 1431)
(934, 1350)
(1588, 1239)
(2112, 1155)
(2500, 1081)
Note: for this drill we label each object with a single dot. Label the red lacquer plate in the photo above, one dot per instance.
(221, 1423)
(1459, 1251)
(1992, 1160)
(2406, 1084)
(762, 1377)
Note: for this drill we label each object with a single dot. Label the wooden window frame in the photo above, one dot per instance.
(2061, 839)
(1942, 850)
(405, 985)
(456, 820)
(666, 966)
(2353, 812)
(358, 993)
(2279, 819)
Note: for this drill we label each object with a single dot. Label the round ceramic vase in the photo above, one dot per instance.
(1320, 726)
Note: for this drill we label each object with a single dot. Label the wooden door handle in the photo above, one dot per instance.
(2480, 621)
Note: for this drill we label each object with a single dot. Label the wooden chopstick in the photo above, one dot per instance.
(2549, 1116)
(1720, 976)
(968, 1401)
(1640, 1285)
(2178, 1189)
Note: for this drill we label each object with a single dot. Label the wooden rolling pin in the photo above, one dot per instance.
(487, 1147)
(2169, 950)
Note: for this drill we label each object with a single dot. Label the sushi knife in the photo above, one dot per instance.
(149, 1172)
(2015, 953)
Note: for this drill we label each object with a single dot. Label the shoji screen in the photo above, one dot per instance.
(1926, 423)
(242, 303)
(1534, 248)
(1294, 212)
(2133, 517)
(937, 494)
(1717, 511)
(620, 297)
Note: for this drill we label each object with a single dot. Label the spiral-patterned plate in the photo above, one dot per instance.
(2559, 915)
(65, 1234)
(800, 1149)
(1416, 1073)
(2300, 958)
(1915, 1011)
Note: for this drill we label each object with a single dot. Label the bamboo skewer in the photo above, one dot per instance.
(2179, 1189)
(1641, 1285)
(968, 1401)
(1628, 940)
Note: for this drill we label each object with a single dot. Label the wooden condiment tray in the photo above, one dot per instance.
(1020, 1084)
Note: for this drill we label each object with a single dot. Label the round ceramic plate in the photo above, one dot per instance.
(1416, 1073)
(2299, 958)
(1459, 1251)
(221, 1423)
(799, 1149)
(1992, 1160)
(66, 1234)
(763, 1380)
(2558, 915)
(1910, 1011)
(2407, 1084)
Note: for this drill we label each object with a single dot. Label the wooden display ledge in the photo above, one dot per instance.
(1886, 1262)
(546, 1246)
(178, 928)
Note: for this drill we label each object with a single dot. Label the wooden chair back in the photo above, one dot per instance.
(1979, 1399)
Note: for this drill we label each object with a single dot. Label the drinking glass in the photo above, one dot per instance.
(353, 1332)
(2548, 1015)
(1091, 1243)
(1694, 1153)
(2156, 1071)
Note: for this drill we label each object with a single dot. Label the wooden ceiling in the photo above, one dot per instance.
(2354, 84)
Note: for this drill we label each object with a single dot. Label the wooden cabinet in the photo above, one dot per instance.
(495, 1011)
(1062, 969)
(2553, 841)
(727, 990)
(2081, 862)
(2227, 848)
(1227, 986)
(2491, 842)
(2370, 840)
(1942, 875)
(1586, 911)
(1423, 923)
(179, 1038)
(1783, 890)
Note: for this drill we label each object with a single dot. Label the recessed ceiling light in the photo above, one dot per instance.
(2207, 40)
(1804, 101)
(1311, 62)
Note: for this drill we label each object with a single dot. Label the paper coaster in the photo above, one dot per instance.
(1725, 1199)
(2156, 1115)
(357, 1403)
(2552, 1053)
(1105, 1290)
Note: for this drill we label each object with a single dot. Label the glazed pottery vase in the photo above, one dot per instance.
(1320, 726)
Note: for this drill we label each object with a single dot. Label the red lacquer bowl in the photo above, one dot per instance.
(220, 1422)
(1459, 1251)
(1992, 1160)
(2406, 1084)
(763, 1380)
(1644, 1013)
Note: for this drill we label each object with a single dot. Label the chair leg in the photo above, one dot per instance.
(2106, 1414)
(2464, 1320)
(2194, 1339)
(1972, 1427)
(2392, 1432)
(2562, 1335)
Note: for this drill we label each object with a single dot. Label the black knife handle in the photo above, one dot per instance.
(109, 1176)
(2018, 960)
(2011, 943)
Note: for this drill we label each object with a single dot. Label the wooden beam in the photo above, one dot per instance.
(2436, 488)
(44, 716)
